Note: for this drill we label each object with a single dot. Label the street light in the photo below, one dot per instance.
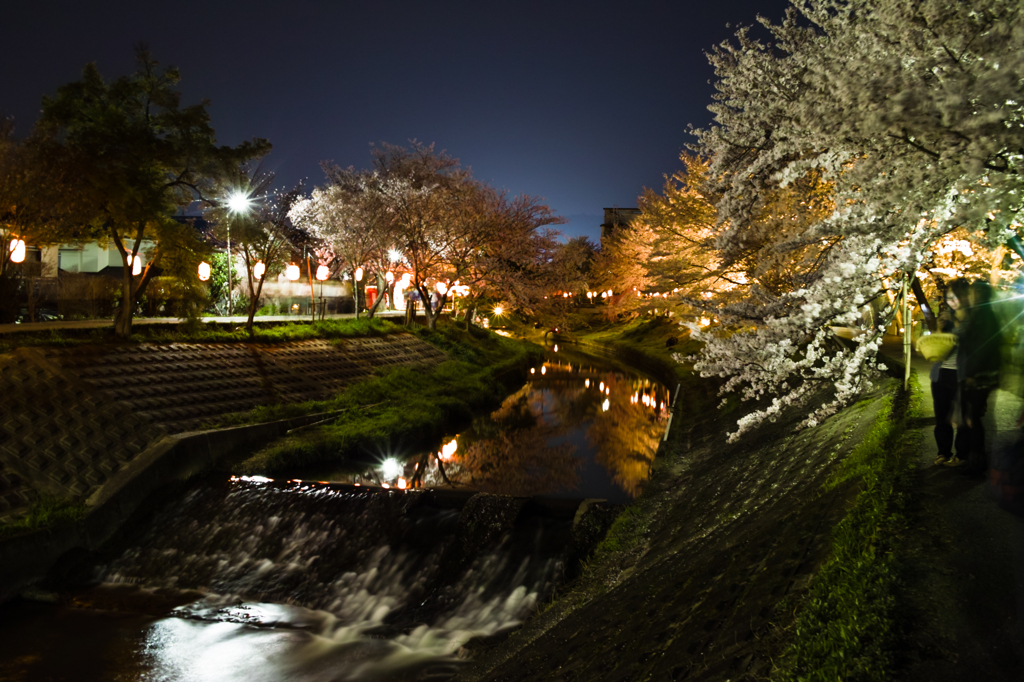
(238, 203)
(204, 271)
(292, 272)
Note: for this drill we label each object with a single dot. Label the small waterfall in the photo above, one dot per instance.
(371, 582)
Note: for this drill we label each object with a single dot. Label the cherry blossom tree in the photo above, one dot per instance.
(911, 114)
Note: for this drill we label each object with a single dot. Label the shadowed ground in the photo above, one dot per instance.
(966, 580)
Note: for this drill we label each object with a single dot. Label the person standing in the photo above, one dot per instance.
(978, 362)
(945, 383)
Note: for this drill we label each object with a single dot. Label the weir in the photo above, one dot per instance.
(377, 581)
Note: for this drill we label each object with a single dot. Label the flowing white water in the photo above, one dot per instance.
(307, 583)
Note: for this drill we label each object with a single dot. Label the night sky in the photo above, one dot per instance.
(581, 103)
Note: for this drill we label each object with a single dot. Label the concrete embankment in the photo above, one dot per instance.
(93, 423)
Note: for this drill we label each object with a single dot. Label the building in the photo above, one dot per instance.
(615, 218)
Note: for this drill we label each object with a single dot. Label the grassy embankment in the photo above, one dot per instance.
(46, 512)
(408, 406)
(203, 333)
(848, 626)
(403, 404)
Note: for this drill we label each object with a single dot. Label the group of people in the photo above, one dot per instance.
(964, 379)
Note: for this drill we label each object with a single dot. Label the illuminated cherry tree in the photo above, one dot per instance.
(911, 112)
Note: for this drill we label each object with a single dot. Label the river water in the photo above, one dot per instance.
(581, 427)
(252, 579)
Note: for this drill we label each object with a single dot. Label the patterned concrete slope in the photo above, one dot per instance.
(72, 417)
(57, 436)
(180, 386)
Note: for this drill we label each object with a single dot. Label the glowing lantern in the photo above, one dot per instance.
(17, 250)
(605, 405)
(292, 272)
(259, 269)
(499, 311)
(442, 288)
(543, 370)
(402, 484)
(389, 277)
(406, 278)
(359, 274)
(533, 370)
(136, 264)
(322, 272)
(448, 449)
(587, 383)
(604, 294)
(204, 271)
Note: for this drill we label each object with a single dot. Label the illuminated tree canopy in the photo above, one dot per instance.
(909, 115)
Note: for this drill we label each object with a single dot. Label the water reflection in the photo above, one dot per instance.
(576, 429)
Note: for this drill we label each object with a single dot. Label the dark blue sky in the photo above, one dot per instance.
(582, 103)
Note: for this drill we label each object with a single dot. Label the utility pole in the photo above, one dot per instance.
(907, 327)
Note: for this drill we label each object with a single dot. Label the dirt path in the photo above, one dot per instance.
(966, 581)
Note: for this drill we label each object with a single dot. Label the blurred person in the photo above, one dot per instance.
(978, 363)
(944, 380)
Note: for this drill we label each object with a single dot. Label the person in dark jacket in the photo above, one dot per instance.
(945, 383)
(978, 362)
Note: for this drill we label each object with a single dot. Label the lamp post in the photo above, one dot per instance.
(238, 203)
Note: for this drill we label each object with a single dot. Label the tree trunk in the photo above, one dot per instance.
(123, 321)
(382, 285)
(254, 299)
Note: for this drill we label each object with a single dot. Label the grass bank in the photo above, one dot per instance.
(46, 512)
(204, 333)
(847, 626)
(401, 407)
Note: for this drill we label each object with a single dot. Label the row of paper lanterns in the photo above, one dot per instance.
(292, 272)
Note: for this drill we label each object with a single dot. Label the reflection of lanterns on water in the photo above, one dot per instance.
(292, 272)
(259, 269)
(204, 271)
(391, 468)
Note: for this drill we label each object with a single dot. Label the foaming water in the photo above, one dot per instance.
(307, 582)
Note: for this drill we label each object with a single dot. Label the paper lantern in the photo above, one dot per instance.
(17, 250)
